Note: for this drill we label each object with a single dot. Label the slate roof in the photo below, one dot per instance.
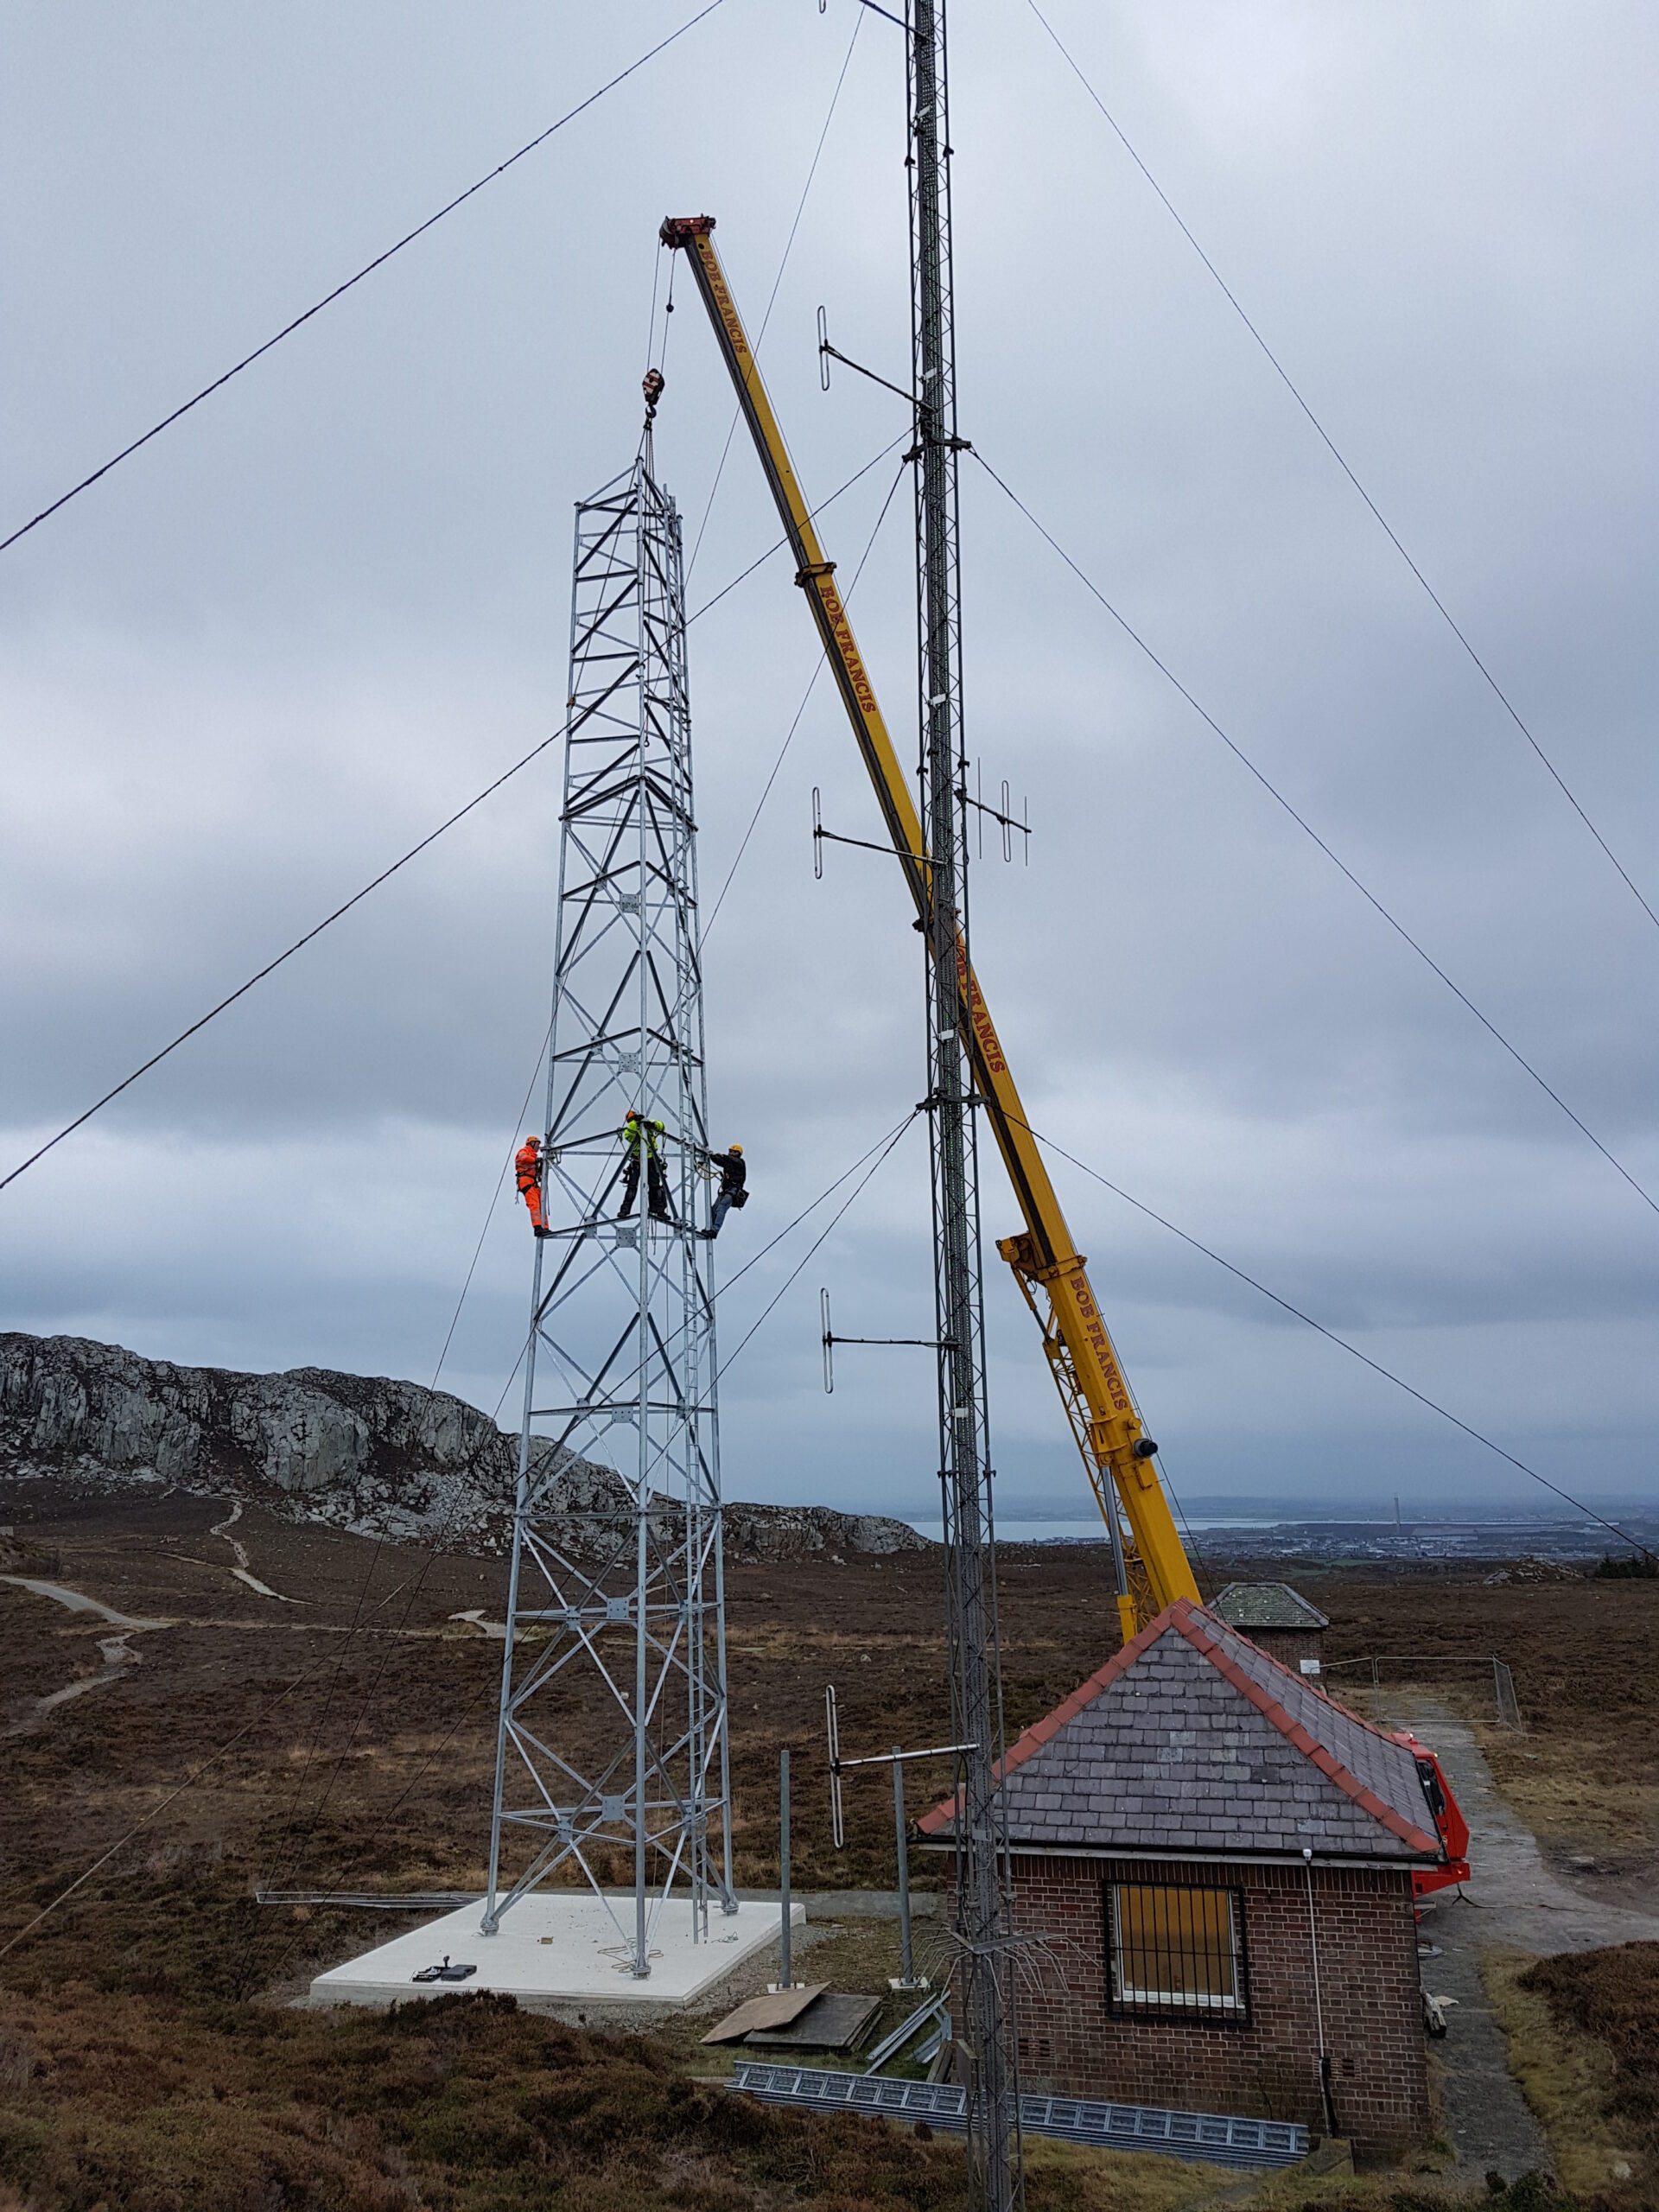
(1266, 1604)
(1190, 1739)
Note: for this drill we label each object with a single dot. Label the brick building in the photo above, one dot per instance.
(1278, 1620)
(1215, 1862)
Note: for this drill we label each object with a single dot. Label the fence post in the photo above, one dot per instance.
(908, 1977)
(785, 1981)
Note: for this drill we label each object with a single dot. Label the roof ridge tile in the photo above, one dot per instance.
(1031, 1740)
(1295, 1732)
(1212, 1638)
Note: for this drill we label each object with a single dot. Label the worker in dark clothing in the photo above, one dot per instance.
(528, 1162)
(733, 1174)
(640, 1135)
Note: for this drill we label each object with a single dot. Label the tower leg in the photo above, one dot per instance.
(983, 1900)
(611, 1737)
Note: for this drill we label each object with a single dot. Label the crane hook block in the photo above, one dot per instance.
(654, 386)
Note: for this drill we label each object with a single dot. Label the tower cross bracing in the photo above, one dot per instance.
(611, 1754)
(985, 1931)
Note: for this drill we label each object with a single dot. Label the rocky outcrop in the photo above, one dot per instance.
(367, 1453)
(364, 1454)
(805, 1531)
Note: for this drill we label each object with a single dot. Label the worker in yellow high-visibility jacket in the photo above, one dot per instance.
(641, 1136)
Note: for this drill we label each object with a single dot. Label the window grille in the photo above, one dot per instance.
(1176, 1951)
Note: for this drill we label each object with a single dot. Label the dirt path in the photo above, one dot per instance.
(496, 1631)
(242, 1571)
(118, 1659)
(1512, 1899)
(115, 1651)
(78, 1602)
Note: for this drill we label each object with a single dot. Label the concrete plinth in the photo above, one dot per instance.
(562, 1947)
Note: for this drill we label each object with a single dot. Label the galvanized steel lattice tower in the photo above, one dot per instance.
(617, 1583)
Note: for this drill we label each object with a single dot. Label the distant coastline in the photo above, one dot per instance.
(1286, 1537)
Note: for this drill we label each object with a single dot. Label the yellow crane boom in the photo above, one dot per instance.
(1118, 1456)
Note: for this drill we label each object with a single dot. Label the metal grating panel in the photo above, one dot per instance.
(1212, 2138)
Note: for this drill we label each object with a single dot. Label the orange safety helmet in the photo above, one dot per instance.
(633, 1113)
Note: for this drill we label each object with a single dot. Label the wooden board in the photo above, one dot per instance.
(775, 2008)
(831, 2022)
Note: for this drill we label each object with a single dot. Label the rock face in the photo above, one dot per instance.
(365, 1453)
(804, 1531)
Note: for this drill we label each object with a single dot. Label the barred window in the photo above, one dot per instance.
(1176, 1950)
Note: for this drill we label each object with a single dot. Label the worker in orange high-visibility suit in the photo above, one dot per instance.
(529, 1165)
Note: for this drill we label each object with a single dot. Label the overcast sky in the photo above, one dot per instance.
(260, 660)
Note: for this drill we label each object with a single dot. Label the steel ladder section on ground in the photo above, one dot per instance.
(1212, 2137)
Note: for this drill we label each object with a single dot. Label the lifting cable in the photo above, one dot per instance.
(273, 1700)
(1308, 829)
(271, 966)
(495, 1195)
(368, 270)
(280, 1854)
(385, 874)
(193, 1777)
(883, 1145)
(344, 1652)
(380, 1542)
(1332, 448)
(884, 1152)
(1341, 1342)
(759, 339)
(818, 665)
(743, 574)
(650, 325)
(536, 751)
(875, 1157)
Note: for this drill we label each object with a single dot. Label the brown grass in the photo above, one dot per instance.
(1584, 2030)
(463, 2104)
(147, 2059)
(1566, 2077)
(1584, 1777)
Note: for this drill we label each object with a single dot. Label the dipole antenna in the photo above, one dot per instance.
(984, 1898)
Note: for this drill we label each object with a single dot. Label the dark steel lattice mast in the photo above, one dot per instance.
(984, 1920)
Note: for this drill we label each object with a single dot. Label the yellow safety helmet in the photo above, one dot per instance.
(738, 1149)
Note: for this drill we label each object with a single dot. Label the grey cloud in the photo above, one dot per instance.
(275, 648)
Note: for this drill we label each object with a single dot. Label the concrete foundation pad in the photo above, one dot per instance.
(563, 1946)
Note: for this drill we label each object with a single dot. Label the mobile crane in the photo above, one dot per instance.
(1119, 1459)
(1118, 1456)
